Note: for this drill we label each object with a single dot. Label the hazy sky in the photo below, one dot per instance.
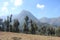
(39, 8)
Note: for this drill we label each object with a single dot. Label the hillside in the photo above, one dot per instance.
(22, 15)
(21, 36)
(52, 21)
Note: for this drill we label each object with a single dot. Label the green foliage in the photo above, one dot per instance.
(47, 30)
(25, 28)
(51, 31)
(58, 31)
(6, 22)
(43, 30)
(16, 24)
(0, 29)
(10, 18)
(33, 27)
(26, 18)
(11, 28)
(26, 25)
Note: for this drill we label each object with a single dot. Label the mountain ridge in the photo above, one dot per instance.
(23, 14)
(52, 21)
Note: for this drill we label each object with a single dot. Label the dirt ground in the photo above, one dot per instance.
(21, 36)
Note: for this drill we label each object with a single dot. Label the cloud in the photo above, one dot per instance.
(10, 5)
(18, 2)
(11, 0)
(13, 8)
(4, 11)
(5, 4)
(40, 6)
(4, 7)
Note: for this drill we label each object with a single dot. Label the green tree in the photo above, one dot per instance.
(11, 28)
(36, 27)
(6, 22)
(58, 31)
(25, 28)
(51, 31)
(26, 25)
(33, 27)
(11, 18)
(16, 25)
(43, 30)
(0, 28)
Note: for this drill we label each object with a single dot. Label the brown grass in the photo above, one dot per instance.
(21, 36)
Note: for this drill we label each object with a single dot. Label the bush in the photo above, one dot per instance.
(51, 31)
(43, 30)
(58, 31)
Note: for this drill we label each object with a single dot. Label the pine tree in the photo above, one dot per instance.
(16, 25)
(25, 28)
(32, 28)
(26, 25)
(43, 30)
(11, 18)
(51, 31)
(11, 28)
(10, 25)
(57, 31)
(7, 23)
(0, 28)
(36, 27)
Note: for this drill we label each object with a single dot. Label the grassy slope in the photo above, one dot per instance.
(10, 36)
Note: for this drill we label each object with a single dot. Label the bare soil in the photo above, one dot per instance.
(21, 36)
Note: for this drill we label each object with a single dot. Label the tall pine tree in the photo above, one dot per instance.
(32, 28)
(26, 25)
(16, 25)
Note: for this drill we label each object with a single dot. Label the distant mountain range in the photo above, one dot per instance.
(51, 21)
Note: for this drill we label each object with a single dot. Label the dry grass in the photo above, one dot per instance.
(21, 36)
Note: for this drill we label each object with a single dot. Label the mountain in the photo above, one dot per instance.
(52, 21)
(23, 14)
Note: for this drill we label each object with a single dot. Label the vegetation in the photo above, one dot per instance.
(26, 25)
(13, 26)
(51, 31)
(6, 22)
(16, 26)
(33, 27)
(43, 30)
(58, 31)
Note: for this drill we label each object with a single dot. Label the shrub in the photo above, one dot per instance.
(58, 31)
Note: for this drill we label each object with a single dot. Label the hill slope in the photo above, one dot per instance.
(52, 21)
(23, 14)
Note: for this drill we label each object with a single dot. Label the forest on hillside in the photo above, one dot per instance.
(13, 26)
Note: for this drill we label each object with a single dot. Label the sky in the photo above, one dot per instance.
(39, 8)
